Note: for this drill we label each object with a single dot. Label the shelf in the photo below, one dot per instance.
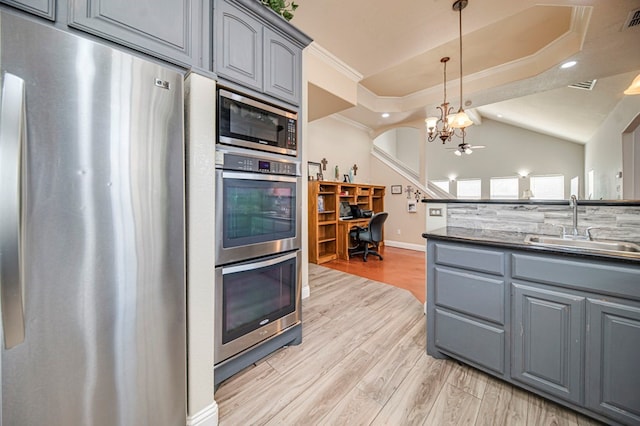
(326, 234)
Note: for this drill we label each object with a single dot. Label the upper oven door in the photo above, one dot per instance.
(246, 122)
(256, 215)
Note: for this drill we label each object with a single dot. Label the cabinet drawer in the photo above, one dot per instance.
(591, 276)
(470, 294)
(475, 341)
(474, 259)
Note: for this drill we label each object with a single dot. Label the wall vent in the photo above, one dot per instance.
(633, 20)
(584, 85)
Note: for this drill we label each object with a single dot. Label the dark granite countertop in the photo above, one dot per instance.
(620, 203)
(515, 240)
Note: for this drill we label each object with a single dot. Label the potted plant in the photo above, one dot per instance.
(281, 7)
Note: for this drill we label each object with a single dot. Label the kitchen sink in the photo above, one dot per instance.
(619, 247)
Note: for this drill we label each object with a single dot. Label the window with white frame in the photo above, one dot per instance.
(503, 188)
(547, 187)
(469, 189)
(442, 184)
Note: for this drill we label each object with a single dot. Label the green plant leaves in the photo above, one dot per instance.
(281, 7)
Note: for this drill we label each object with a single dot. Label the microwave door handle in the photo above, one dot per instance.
(12, 139)
(256, 265)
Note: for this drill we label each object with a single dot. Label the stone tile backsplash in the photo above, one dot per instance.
(608, 222)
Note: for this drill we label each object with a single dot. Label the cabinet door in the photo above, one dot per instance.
(43, 8)
(282, 62)
(238, 46)
(170, 29)
(613, 351)
(547, 329)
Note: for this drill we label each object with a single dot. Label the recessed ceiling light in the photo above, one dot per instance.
(568, 64)
(500, 116)
(385, 115)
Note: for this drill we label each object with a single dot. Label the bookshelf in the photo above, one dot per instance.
(324, 217)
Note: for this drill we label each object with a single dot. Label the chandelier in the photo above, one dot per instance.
(450, 124)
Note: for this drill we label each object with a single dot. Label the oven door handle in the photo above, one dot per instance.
(258, 176)
(255, 265)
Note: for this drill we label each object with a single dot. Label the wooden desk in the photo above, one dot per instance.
(344, 226)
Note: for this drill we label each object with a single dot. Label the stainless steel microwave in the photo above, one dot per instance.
(247, 122)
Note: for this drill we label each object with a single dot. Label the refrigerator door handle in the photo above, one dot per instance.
(12, 138)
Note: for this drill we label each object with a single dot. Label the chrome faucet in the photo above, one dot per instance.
(573, 203)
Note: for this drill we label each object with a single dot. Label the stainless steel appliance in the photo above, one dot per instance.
(258, 204)
(250, 123)
(92, 233)
(255, 300)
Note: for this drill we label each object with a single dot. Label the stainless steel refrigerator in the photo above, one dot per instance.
(92, 233)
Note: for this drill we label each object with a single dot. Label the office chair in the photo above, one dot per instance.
(368, 238)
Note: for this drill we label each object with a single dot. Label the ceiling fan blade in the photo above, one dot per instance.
(477, 146)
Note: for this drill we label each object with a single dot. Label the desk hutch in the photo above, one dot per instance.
(327, 233)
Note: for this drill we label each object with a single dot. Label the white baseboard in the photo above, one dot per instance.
(206, 417)
(306, 292)
(408, 246)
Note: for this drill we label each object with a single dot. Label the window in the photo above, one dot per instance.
(505, 188)
(591, 184)
(469, 189)
(547, 187)
(442, 184)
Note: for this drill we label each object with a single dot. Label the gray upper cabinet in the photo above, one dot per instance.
(547, 340)
(613, 350)
(43, 8)
(238, 46)
(281, 67)
(169, 29)
(256, 48)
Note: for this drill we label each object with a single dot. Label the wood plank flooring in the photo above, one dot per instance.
(363, 362)
(401, 268)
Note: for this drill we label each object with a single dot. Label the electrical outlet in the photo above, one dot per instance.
(398, 232)
(435, 212)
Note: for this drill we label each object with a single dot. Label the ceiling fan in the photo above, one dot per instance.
(466, 148)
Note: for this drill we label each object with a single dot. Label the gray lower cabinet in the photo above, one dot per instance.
(174, 30)
(547, 333)
(613, 356)
(249, 50)
(43, 8)
(567, 328)
(466, 307)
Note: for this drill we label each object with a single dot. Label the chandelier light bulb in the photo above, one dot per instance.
(431, 123)
(460, 120)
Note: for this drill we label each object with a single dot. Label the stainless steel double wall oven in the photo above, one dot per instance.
(258, 215)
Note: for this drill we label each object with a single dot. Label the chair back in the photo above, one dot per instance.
(375, 225)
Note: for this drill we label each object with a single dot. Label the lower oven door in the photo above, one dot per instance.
(256, 215)
(255, 300)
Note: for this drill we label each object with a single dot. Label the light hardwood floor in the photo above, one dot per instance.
(363, 362)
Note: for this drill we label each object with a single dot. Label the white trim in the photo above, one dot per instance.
(402, 173)
(353, 123)
(306, 292)
(206, 417)
(334, 62)
(408, 246)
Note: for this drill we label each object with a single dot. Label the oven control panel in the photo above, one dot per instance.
(260, 165)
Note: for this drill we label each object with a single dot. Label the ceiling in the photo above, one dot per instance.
(511, 57)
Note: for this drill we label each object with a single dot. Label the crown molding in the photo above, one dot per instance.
(331, 60)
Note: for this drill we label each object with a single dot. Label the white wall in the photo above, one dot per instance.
(509, 149)
(342, 144)
(603, 153)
